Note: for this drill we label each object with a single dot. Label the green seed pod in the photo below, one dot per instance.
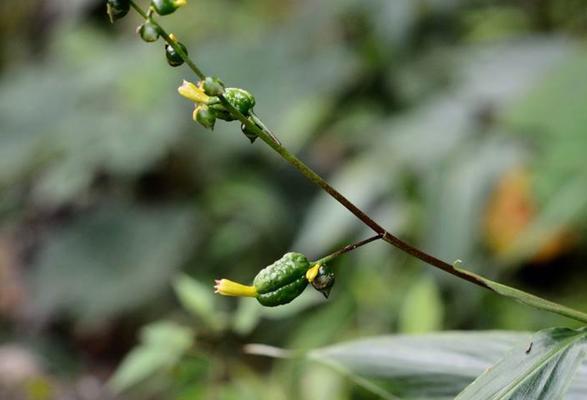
(166, 7)
(213, 86)
(282, 281)
(240, 99)
(205, 117)
(173, 57)
(148, 31)
(324, 280)
(117, 9)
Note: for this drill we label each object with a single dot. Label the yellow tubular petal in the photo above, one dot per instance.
(227, 287)
(195, 113)
(312, 272)
(193, 93)
(180, 3)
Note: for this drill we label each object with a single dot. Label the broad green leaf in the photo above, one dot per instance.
(542, 369)
(431, 366)
(162, 345)
(437, 366)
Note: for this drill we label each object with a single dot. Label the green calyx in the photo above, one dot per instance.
(282, 281)
(117, 9)
(324, 280)
(166, 7)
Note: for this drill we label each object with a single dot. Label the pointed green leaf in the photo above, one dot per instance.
(440, 365)
(542, 369)
(431, 366)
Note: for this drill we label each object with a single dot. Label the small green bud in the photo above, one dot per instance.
(204, 116)
(148, 31)
(165, 7)
(173, 57)
(248, 133)
(117, 9)
(213, 86)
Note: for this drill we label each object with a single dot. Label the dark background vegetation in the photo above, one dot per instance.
(459, 125)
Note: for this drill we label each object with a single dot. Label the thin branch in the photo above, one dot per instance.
(347, 249)
(265, 135)
(172, 43)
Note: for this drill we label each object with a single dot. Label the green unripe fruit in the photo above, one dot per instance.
(173, 57)
(205, 117)
(148, 32)
(166, 7)
(282, 281)
(284, 294)
(213, 86)
(240, 99)
(117, 9)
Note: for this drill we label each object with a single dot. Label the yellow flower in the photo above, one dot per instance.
(193, 93)
(312, 272)
(227, 287)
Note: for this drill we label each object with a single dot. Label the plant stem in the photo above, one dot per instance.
(267, 136)
(172, 43)
(346, 249)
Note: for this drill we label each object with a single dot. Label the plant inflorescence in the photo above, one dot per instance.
(285, 279)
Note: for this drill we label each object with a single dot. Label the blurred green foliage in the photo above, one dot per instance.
(118, 211)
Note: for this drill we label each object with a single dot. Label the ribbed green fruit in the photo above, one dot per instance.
(282, 281)
(239, 99)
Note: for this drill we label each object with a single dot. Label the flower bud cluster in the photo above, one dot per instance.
(149, 30)
(208, 106)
